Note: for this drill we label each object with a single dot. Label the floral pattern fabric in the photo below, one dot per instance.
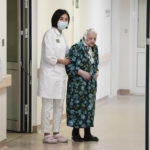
(81, 94)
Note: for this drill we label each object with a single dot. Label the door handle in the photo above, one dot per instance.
(148, 41)
(3, 42)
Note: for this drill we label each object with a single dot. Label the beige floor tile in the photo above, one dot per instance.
(119, 124)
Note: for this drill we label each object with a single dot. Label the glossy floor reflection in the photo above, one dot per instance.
(119, 124)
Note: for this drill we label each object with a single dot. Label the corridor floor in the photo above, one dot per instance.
(119, 124)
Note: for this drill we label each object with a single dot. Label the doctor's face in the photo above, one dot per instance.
(91, 39)
(64, 18)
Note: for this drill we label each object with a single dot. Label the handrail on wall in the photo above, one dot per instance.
(6, 81)
(105, 57)
(102, 59)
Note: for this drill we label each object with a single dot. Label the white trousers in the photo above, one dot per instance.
(47, 106)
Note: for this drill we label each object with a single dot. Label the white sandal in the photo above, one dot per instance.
(50, 139)
(60, 138)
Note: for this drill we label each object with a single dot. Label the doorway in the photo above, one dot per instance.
(19, 62)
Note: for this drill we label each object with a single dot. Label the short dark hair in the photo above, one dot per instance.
(56, 16)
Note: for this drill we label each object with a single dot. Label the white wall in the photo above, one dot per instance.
(3, 58)
(97, 14)
(115, 76)
(124, 45)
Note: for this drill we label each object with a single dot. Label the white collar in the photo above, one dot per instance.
(56, 31)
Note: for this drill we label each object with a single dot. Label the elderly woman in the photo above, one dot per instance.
(81, 92)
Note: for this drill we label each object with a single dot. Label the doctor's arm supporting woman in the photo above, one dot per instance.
(52, 76)
(82, 86)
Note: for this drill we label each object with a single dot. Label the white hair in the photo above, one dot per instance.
(90, 30)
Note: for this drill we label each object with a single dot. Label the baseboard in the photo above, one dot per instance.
(2, 143)
(123, 92)
(101, 99)
(37, 129)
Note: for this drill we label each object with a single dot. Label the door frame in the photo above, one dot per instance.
(26, 62)
(147, 105)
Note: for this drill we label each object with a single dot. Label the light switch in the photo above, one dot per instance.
(3, 42)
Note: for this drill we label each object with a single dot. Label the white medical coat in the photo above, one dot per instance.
(52, 76)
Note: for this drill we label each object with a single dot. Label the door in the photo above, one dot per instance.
(18, 65)
(140, 47)
(13, 67)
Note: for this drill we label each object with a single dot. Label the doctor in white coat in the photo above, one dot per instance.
(52, 77)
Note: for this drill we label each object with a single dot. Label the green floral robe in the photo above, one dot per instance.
(81, 94)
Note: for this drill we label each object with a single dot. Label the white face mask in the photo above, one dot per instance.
(62, 25)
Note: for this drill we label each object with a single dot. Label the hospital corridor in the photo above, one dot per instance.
(114, 91)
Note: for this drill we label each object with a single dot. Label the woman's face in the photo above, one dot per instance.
(64, 18)
(91, 39)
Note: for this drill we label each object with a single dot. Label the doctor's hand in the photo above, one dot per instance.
(84, 74)
(64, 61)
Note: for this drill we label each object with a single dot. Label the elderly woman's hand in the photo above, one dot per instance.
(84, 74)
(64, 61)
